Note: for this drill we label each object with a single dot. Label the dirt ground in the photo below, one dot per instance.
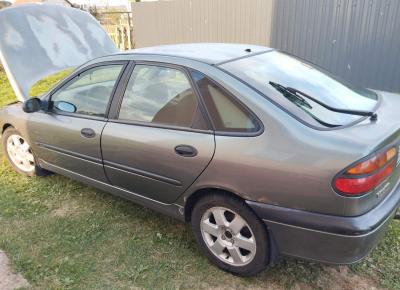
(335, 278)
(332, 278)
(9, 280)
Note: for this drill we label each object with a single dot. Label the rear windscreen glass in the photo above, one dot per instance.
(264, 70)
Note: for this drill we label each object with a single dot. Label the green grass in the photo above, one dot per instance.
(60, 234)
(7, 96)
(43, 85)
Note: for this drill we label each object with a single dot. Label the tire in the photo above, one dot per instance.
(231, 235)
(11, 137)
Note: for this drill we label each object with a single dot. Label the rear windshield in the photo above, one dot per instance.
(272, 71)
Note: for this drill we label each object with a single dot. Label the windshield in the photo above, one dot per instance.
(264, 70)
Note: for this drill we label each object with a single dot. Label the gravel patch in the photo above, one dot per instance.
(9, 280)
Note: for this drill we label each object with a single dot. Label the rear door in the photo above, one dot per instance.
(158, 141)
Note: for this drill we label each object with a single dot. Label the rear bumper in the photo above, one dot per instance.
(324, 238)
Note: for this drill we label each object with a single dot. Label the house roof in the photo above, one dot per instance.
(211, 53)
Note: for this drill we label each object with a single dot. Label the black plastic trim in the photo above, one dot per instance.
(70, 153)
(147, 174)
(341, 225)
(120, 91)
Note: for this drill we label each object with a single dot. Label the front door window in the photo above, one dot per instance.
(89, 92)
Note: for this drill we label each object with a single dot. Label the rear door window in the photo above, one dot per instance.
(161, 95)
(278, 68)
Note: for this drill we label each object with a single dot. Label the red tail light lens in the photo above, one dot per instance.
(367, 175)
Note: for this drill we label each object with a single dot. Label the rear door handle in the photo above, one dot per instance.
(186, 151)
(88, 133)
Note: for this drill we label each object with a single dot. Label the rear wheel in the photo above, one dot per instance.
(230, 235)
(19, 153)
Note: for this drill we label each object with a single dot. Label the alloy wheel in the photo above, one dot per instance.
(228, 236)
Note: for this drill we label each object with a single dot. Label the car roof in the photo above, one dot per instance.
(210, 53)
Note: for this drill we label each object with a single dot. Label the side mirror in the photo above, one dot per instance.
(32, 105)
(65, 107)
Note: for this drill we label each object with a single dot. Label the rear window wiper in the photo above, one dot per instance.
(294, 92)
(293, 97)
(301, 102)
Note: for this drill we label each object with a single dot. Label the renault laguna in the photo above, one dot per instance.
(266, 155)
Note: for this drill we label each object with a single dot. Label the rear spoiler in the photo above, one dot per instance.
(37, 40)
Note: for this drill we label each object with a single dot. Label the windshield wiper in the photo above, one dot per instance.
(294, 92)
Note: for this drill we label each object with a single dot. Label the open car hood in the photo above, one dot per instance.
(37, 40)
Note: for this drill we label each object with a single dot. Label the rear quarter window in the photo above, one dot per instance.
(227, 114)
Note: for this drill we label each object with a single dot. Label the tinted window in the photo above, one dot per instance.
(89, 92)
(260, 70)
(226, 113)
(160, 95)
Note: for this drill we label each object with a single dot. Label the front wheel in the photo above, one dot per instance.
(230, 235)
(19, 153)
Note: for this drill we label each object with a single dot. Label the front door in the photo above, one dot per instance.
(68, 136)
(158, 143)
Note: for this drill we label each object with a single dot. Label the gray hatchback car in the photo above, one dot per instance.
(264, 154)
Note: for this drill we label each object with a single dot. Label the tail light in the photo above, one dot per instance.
(367, 174)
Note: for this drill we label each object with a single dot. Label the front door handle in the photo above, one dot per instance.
(186, 151)
(88, 133)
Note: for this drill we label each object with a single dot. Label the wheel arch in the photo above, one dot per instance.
(193, 198)
(5, 127)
